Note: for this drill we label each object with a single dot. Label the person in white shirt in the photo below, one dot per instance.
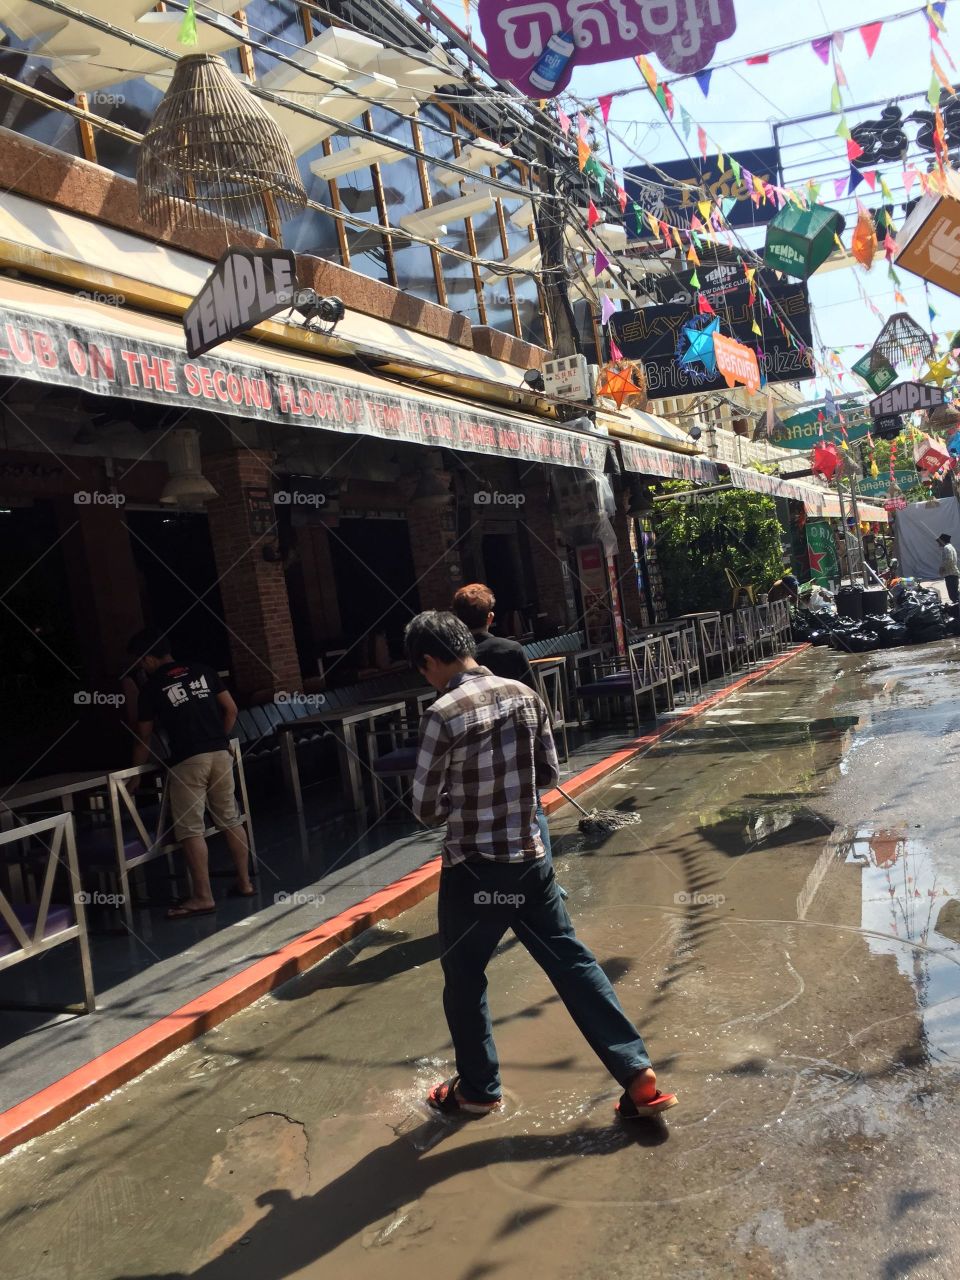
(948, 567)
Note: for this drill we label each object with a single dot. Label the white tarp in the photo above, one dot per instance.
(918, 527)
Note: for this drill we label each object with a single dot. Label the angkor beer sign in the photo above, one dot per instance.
(244, 288)
(64, 354)
(537, 46)
(699, 179)
(906, 397)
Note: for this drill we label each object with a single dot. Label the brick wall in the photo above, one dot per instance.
(256, 607)
(548, 552)
(437, 560)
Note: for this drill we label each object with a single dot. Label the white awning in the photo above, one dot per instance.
(64, 339)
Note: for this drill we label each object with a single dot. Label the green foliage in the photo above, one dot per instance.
(696, 541)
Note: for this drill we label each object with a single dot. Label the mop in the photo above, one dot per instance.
(601, 822)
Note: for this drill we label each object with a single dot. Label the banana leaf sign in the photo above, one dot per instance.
(802, 431)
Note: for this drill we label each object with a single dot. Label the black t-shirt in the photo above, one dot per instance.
(504, 658)
(183, 698)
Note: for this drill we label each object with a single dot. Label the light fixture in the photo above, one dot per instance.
(187, 486)
(534, 380)
(329, 311)
(211, 146)
(694, 433)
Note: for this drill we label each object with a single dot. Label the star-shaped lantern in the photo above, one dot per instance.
(696, 348)
(939, 371)
(826, 459)
(618, 384)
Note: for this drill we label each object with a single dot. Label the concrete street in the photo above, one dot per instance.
(784, 927)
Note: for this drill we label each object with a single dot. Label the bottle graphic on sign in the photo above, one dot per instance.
(553, 61)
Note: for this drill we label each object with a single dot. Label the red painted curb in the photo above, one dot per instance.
(63, 1099)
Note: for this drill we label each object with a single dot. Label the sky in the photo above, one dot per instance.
(745, 102)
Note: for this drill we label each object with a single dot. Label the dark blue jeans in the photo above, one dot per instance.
(544, 831)
(478, 902)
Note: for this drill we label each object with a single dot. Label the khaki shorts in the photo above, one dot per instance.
(199, 783)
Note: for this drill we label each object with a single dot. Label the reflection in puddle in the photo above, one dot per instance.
(904, 902)
(735, 831)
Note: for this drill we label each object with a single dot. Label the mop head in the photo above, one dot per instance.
(604, 822)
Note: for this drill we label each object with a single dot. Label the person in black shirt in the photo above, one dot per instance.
(196, 713)
(474, 605)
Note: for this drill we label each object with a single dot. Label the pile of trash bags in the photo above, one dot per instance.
(917, 617)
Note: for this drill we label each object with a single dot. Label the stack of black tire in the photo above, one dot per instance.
(918, 618)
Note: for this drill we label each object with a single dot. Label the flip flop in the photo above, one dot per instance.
(445, 1099)
(180, 911)
(627, 1109)
(236, 892)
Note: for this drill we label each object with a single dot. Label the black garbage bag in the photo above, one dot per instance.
(893, 635)
(927, 616)
(800, 630)
(924, 635)
(819, 636)
(862, 642)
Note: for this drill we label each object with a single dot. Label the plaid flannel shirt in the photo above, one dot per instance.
(486, 748)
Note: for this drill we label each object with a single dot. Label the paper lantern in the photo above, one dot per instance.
(864, 243)
(800, 240)
(826, 459)
(930, 455)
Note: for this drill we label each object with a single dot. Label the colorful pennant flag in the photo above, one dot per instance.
(870, 34)
(606, 102)
(648, 73)
(622, 199)
(843, 129)
(607, 309)
(686, 121)
(836, 103)
(563, 120)
(702, 141)
(821, 47)
(758, 59)
(839, 187)
(583, 154)
(854, 149)
(615, 353)
(871, 179)
(671, 104)
(600, 263)
(188, 27)
(703, 80)
(593, 217)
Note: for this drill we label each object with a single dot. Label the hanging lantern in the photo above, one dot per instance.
(826, 459)
(864, 243)
(902, 341)
(212, 148)
(801, 240)
(930, 455)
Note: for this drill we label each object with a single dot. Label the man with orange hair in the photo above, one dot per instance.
(474, 605)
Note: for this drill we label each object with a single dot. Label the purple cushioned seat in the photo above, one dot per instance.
(400, 760)
(608, 687)
(96, 848)
(58, 919)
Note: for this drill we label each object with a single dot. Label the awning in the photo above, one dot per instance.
(817, 502)
(59, 338)
(647, 461)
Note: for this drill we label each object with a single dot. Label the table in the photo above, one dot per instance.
(61, 787)
(574, 660)
(343, 724)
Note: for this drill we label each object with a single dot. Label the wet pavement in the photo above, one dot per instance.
(784, 925)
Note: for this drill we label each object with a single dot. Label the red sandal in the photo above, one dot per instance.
(446, 1099)
(627, 1109)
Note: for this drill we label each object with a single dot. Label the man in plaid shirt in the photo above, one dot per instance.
(485, 750)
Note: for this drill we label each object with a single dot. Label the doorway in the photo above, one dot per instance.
(376, 583)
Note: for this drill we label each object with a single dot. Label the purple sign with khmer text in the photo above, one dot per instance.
(537, 45)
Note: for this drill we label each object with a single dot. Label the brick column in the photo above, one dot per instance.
(256, 608)
(634, 605)
(436, 554)
(548, 552)
(103, 586)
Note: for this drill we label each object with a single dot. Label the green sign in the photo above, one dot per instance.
(800, 240)
(879, 377)
(803, 432)
(822, 549)
(870, 488)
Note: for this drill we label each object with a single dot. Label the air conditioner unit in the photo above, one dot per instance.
(568, 377)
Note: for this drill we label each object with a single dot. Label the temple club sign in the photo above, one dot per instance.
(537, 46)
(906, 397)
(244, 288)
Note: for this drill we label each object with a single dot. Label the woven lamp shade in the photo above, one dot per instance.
(212, 148)
(903, 341)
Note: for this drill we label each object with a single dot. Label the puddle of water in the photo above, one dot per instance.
(739, 830)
